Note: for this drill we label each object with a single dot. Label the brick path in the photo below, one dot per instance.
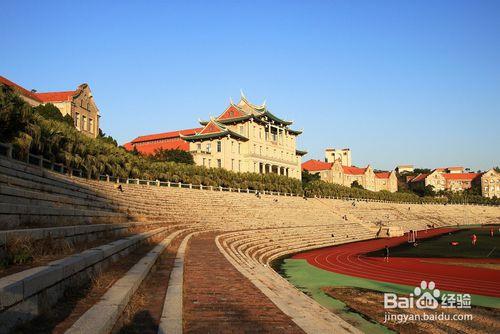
(218, 299)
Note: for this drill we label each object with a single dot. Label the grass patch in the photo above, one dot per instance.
(440, 247)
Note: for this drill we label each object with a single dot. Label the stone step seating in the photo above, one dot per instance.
(255, 265)
(17, 195)
(102, 316)
(30, 196)
(72, 233)
(45, 180)
(199, 205)
(27, 294)
(419, 216)
(256, 246)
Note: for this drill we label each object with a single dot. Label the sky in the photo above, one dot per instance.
(397, 82)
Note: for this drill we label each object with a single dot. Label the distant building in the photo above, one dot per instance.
(244, 138)
(453, 179)
(451, 170)
(335, 172)
(78, 103)
(490, 184)
(344, 155)
(404, 169)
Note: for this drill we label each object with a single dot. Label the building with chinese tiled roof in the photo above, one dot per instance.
(78, 103)
(337, 172)
(243, 138)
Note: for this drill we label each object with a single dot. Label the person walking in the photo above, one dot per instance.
(386, 251)
(474, 239)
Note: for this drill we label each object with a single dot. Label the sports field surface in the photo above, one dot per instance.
(450, 274)
(440, 246)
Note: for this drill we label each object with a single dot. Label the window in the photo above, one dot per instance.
(203, 162)
(91, 125)
(209, 163)
(232, 164)
(219, 146)
(84, 123)
(219, 163)
(242, 130)
(209, 148)
(77, 120)
(198, 147)
(239, 148)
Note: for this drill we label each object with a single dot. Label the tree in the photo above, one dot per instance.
(106, 138)
(176, 155)
(309, 177)
(50, 111)
(421, 170)
(356, 185)
(423, 191)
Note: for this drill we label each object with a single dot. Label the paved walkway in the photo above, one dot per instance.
(219, 299)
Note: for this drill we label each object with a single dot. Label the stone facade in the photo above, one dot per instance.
(490, 184)
(244, 138)
(404, 169)
(335, 172)
(79, 104)
(344, 155)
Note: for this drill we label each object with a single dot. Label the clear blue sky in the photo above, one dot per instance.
(396, 81)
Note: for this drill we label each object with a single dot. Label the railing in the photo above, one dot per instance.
(158, 183)
(40, 161)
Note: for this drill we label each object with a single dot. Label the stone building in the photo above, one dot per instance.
(490, 184)
(401, 169)
(243, 138)
(78, 103)
(336, 172)
(453, 179)
(344, 155)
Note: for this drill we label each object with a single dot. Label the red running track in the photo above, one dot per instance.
(350, 259)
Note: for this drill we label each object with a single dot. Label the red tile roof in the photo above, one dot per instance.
(382, 175)
(420, 177)
(166, 135)
(20, 89)
(56, 96)
(352, 170)
(211, 127)
(462, 176)
(316, 165)
(231, 112)
(150, 148)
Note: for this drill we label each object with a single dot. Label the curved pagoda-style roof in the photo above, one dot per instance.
(300, 152)
(244, 110)
(213, 129)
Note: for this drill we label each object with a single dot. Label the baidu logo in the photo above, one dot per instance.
(427, 294)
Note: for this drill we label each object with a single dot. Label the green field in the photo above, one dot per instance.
(440, 247)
